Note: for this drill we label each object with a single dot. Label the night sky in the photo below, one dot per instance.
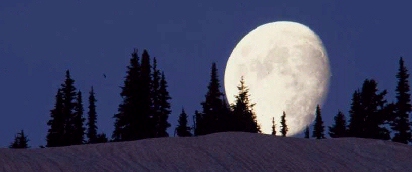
(39, 40)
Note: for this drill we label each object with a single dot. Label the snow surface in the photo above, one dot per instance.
(230, 151)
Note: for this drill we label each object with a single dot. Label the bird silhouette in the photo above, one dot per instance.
(104, 75)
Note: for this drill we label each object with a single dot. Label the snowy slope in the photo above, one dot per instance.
(216, 152)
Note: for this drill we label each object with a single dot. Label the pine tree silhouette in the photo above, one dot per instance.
(284, 128)
(401, 124)
(164, 108)
(183, 130)
(20, 141)
(101, 138)
(369, 112)
(307, 132)
(55, 133)
(243, 116)
(127, 118)
(318, 127)
(78, 121)
(155, 96)
(273, 126)
(339, 128)
(69, 105)
(212, 106)
(92, 118)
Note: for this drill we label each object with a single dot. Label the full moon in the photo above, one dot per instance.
(286, 68)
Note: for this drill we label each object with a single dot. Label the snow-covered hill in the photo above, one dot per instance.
(231, 151)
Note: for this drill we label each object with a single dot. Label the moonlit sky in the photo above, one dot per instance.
(40, 39)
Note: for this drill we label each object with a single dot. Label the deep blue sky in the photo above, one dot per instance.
(40, 39)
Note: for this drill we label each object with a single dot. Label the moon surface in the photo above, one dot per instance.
(286, 68)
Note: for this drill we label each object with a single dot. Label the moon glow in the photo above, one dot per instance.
(286, 68)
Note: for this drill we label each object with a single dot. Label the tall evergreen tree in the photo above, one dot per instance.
(307, 132)
(339, 128)
(20, 141)
(69, 105)
(273, 126)
(56, 131)
(127, 116)
(243, 115)
(356, 121)
(78, 122)
(183, 130)
(401, 124)
(92, 118)
(284, 128)
(155, 96)
(368, 112)
(318, 127)
(212, 106)
(145, 128)
(164, 110)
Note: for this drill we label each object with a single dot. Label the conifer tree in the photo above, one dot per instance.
(273, 126)
(78, 121)
(339, 128)
(145, 126)
(164, 110)
(243, 115)
(155, 97)
(401, 124)
(307, 132)
(126, 118)
(69, 105)
(92, 118)
(318, 127)
(356, 121)
(284, 128)
(212, 106)
(101, 138)
(20, 141)
(183, 130)
(56, 131)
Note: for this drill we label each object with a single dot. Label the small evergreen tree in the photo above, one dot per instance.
(307, 132)
(183, 130)
(243, 116)
(101, 138)
(20, 141)
(273, 126)
(92, 118)
(339, 128)
(284, 128)
(356, 120)
(401, 124)
(318, 127)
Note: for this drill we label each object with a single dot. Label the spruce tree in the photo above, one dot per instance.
(339, 128)
(78, 121)
(243, 116)
(92, 118)
(164, 110)
(284, 128)
(318, 127)
(69, 105)
(356, 120)
(273, 126)
(307, 132)
(155, 97)
(20, 141)
(212, 106)
(183, 130)
(401, 124)
(144, 127)
(56, 131)
(101, 138)
(126, 118)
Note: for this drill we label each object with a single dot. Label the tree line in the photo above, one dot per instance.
(145, 108)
